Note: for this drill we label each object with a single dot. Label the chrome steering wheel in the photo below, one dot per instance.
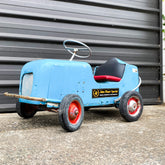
(74, 51)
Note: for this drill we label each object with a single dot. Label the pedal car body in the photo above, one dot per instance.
(54, 79)
(71, 86)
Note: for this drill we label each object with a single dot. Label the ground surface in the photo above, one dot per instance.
(104, 138)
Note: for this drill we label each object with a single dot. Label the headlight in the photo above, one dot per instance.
(27, 84)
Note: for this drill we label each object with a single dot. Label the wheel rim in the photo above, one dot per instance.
(74, 112)
(133, 106)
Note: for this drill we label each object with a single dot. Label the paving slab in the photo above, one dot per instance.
(104, 138)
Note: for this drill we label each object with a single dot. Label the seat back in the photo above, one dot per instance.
(112, 70)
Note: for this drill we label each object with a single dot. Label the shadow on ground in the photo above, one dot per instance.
(49, 119)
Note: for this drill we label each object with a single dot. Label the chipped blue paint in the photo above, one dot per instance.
(54, 79)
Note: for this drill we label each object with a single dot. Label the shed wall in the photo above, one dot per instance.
(34, 29)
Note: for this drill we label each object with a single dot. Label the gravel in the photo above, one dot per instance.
(104, 138)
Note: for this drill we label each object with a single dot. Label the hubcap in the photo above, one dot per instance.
(74, 112)
(133, 106)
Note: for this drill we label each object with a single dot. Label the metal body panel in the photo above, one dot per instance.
(54, 79)
(128, 30)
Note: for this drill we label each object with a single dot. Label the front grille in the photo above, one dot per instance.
(27, 84)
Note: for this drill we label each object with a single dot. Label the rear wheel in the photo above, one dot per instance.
(131, 106)
(26, 110)
(86, 108)
(71, 112)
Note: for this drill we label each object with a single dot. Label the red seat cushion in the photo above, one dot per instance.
(101, 78)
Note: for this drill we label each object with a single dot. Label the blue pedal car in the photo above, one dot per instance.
(68, 87)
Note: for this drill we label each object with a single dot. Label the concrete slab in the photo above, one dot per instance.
(104, 138)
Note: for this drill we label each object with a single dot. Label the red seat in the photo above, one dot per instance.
(102, 78)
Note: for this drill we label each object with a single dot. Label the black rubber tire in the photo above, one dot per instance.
(86, 108)
(26, 111)
(116, 105)
(64, 113)
(123, 106)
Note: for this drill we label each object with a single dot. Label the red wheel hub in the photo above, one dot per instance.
(133, 106)
(74, 112)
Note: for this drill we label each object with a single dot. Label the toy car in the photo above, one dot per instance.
(68, 87)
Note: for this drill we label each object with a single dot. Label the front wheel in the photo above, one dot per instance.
(26, 110)
(131, 106)
(71, 112)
